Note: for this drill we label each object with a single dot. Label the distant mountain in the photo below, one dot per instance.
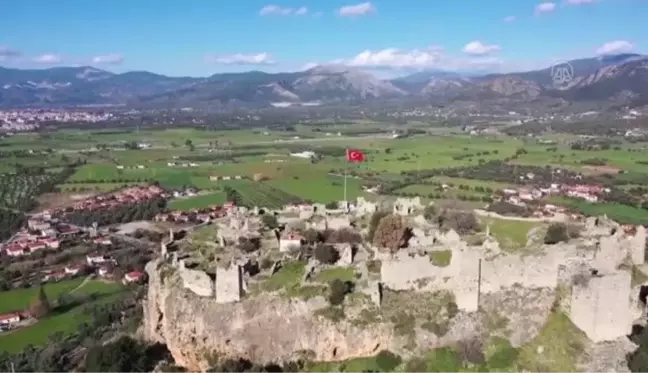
(619, 79)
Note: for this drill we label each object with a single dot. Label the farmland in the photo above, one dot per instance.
(64, 318)
(187, 157)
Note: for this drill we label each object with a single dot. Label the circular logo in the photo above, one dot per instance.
(562, 74)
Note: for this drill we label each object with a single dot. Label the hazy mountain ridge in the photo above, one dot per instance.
(616, 78)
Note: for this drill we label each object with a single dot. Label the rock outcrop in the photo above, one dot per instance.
(264, 328)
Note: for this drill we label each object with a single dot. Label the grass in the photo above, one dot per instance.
(319, 188)
(64, 321)
(288, 277)
(638, 276)
(561, 341)
(511, 234)
(441, 258)
(622, 214)
(19, 299)
(335, 273)
(198, 202)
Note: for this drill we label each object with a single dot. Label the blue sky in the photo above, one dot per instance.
(202, 37)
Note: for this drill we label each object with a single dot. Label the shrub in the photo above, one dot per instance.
(416, 364)
(471, 351)
(326, 254)
(430, 212)
(373, 223)
(338, 290)
(333, 205)
(344, 235)
(270, 221)
(505, 208)
(391, 233)
(249, 244)
(557, 232)
(387, 361)
(462, 222)
(312, 236)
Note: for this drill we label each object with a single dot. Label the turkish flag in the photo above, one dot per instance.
(355, 155)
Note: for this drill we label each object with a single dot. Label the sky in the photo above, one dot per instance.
(392, 37)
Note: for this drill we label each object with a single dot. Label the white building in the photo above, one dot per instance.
(305, 154)
(289, 241)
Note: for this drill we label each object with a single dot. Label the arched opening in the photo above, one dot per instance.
(334, 354)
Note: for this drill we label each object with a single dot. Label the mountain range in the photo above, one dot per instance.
(619, 80)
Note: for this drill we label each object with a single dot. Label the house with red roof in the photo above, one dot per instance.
(134, 276)
(11, 318)
(73, 269)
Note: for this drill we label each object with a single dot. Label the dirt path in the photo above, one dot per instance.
(85, 281)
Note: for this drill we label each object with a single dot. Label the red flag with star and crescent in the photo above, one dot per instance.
(355, 156)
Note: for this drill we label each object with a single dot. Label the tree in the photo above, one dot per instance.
(326, 254)
(391, 233)
(429, 212)
(40, 307)
(557, 232)
(123, 355)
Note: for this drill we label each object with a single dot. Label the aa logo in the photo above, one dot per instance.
(562, 74)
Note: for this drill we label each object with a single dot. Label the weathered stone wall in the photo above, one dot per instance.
(601, 306)
(264, 329)
(229, 284)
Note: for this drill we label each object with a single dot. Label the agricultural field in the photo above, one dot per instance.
(621, 213)
(18, 189)
(260, 194)
(19, 299)
(197, 202)
(266, 152)
(628, 157)
(62, 319)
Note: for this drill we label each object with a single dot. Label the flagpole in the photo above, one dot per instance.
(345, 181)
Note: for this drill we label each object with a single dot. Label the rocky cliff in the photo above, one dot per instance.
(263, 328)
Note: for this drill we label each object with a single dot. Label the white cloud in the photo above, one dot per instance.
(273, 9)
(396, 58)
(580, 2)
(308, 66)
(48, 58)
(276, 10)
(545, 7)
(357, 10)
(242, 59)
(477, 48)
(510, 19)
(111, 59)
(6, 52)
(615, 47)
